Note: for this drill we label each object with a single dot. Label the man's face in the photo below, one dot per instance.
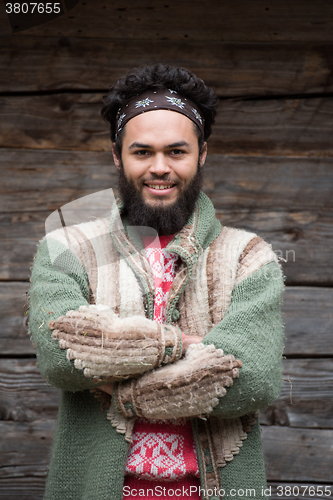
(160, 155)
(158, 166)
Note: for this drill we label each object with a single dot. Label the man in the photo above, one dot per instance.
(179, 337)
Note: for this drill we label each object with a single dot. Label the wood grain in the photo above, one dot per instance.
(301, 20)
(306, 398)
(305, 454)
(25, 451)
(304, 244)
(24, 394)
(42, 180)
(278, 127)
(13, 306)
(287, 201)
(307, 314)
(29, 63)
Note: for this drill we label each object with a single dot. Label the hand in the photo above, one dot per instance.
(188, 340)
(107, 388)
(190, 387)
(105, 346)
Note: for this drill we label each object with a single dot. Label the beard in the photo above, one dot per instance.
(166, 219)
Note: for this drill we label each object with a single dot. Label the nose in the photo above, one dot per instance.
(159, 165)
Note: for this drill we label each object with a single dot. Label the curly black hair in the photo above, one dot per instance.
(159, 76)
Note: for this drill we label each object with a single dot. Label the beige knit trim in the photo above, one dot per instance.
(222, 265)
(219, 441)
(92, 245)
(228, 438)
(195, 318)
(136, 257)
(88, 259)
(107, 258)
(257, 254)
(131, 303)
(122, 424)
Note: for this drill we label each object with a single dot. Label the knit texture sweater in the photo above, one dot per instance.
(161, 449)
(229, 291)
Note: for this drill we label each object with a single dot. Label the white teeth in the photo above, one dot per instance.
(159, 187)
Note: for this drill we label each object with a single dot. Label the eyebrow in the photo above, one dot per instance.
(170, 146)
(139, 145)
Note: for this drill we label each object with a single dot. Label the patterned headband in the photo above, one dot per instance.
(159, 99)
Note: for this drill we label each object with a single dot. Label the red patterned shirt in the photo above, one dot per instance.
(162, 449)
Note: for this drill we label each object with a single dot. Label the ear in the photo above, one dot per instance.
(116, 159)
(203, 154)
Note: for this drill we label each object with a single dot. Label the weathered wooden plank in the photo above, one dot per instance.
(232, 69)
(290, 454)
(44, 180)
(288, 201)
(308, 319)
(13, 319)
(274, 183)
(306, 398)
(300, 20)
(24, 394)
(301, 238)
(279, 127)
(298, 454)
(24, 450)
(23, 487)
(307, 316)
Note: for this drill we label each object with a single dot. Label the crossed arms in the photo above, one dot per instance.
(87, 346)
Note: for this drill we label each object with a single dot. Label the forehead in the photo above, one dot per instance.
(160, 127)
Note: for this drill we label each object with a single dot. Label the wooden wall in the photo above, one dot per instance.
(269, 170)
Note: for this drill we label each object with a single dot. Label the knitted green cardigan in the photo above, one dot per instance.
(88, 454)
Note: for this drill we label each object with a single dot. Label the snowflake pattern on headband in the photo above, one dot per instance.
(176, 102)
(172, 91)
(143, 103)
(120, 119)
(196, 114)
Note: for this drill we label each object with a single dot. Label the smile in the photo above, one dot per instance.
(158, 186)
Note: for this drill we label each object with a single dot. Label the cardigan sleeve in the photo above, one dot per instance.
(252, 332)
(87, 348)
(53, 292)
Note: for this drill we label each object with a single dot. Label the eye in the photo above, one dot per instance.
(177, 152)
(141, 152)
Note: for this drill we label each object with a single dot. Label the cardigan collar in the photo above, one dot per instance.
(200, 230)
(189, 243)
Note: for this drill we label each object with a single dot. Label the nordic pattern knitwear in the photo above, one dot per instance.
(88, 454)
(164, 266)
(162, 449)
